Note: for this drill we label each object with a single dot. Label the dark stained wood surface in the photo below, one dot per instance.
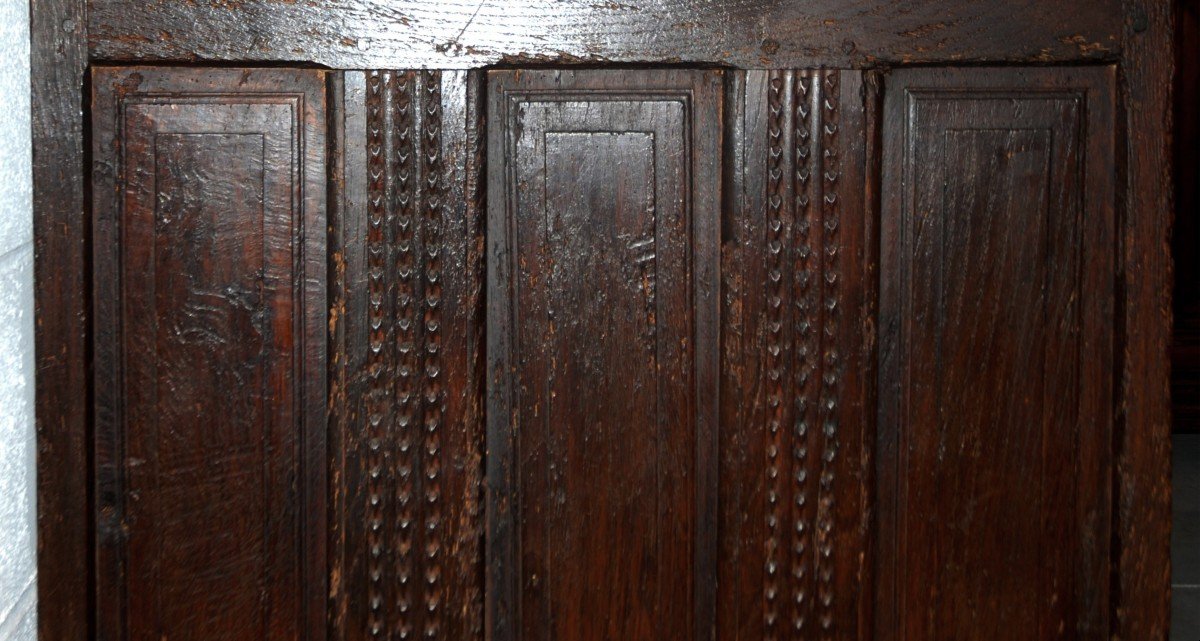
(795, 368)
(376, 546)
(474, 33)
(58, 58)
(602, 356)
(210, 352)
(781, 524)
(1142, 491)
(997, 355)
(407, 322)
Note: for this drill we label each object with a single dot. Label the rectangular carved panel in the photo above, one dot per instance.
(406, 390)
(210, 307)
(602, 353)
(996, 380)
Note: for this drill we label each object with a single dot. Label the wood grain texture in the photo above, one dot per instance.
(58, 58)
(210, 353)
(762, 502)
(410, 327)
(997, 354)
(793, 460)
(474, 33)
(602, 353)
(1142, 496)
(796, 360)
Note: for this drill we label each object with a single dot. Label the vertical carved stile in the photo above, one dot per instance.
(830, 376)
(801, 359)
(418, 467)
(407, 399)
(775, 369)
(805, 267)
(431, 158)
(378, 323)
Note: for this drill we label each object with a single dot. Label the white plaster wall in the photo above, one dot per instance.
(18, 567)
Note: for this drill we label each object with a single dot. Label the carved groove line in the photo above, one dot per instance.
(406, 397)
(774, 358)
(406, 339)
(431, 158)
(801, 362)
(377, 359)
(830, 173)
(805, 266)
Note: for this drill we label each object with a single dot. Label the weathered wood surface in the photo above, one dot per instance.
(602, 324)
(798, 148)
(996, 376)
(1142, 494)
(209, 290)
(58, 60)
(796, 358)
(790, 469)
(407, 323)
(472, 33)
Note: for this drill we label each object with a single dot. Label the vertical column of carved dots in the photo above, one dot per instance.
(805, 270)
(407, 403)
(431, 158)
(774, 356)
(830, 173)
(378, 322)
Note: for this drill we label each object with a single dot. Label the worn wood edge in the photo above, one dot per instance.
(476, 260)
(312, 255)
(499, 556)
(873, 82)
(1142, 483)
(732, 331)
(58, 60)
(349, 252)
(456, 34)
(338, 368)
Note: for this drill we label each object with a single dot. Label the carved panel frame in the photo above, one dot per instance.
(70, 35)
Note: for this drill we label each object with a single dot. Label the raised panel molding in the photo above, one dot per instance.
(659, 374)
(791, 468)
(996, 384)
(937, 319)
(602, 353)
(209, 230)
(781, 528)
